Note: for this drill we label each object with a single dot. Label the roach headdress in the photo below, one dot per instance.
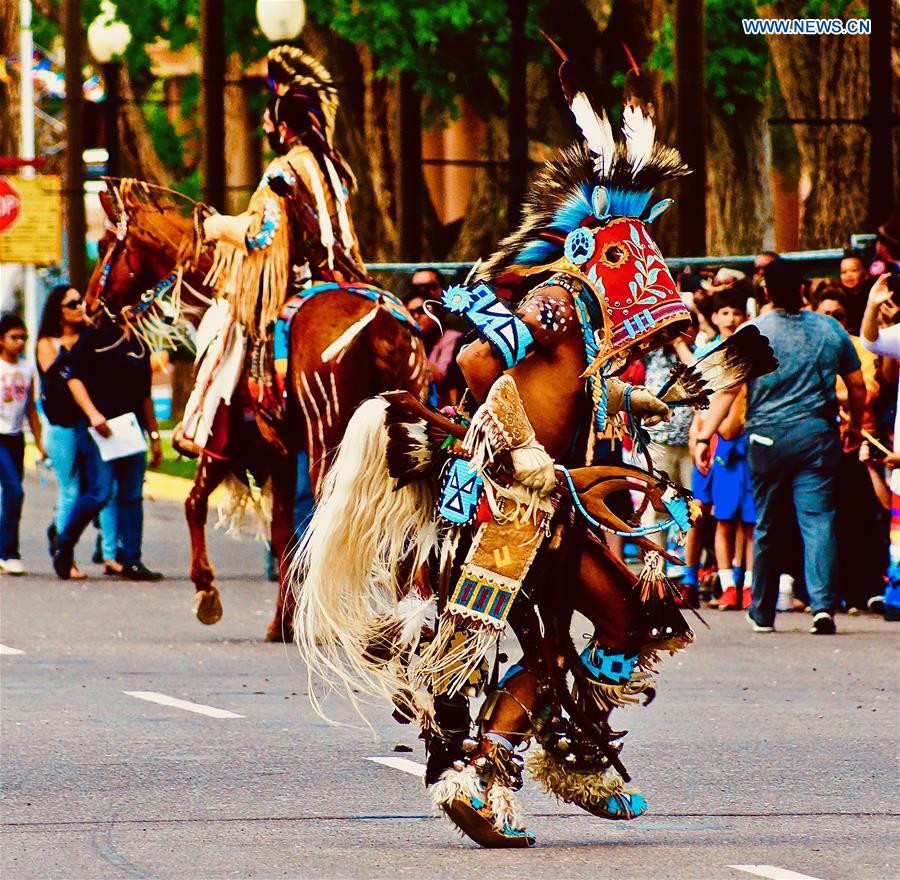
(588, 211)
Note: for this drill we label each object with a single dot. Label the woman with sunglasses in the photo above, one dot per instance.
(62, 323)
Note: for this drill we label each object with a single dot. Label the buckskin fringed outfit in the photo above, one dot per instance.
(436, 533)
(297, 231)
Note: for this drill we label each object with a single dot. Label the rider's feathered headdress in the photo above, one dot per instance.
(602, 177)
(296, 78)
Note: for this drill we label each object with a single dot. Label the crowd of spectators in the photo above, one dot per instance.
(797, 472)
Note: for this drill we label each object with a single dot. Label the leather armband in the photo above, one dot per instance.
(506, 333)
(501, 420)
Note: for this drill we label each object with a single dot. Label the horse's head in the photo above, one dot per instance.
(147, 252)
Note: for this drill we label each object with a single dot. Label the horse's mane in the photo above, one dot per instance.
(170, 224)
(160, 216)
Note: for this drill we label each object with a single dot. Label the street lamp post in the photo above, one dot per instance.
(74, 188)
(107, 40)
(212, 27)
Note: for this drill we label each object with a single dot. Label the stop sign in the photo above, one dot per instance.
(10, 203)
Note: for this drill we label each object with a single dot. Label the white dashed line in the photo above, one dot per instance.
(771, 872)
(403, 764)
(6, 650)
(175, 703)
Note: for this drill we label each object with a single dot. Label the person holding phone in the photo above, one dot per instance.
(109, 375)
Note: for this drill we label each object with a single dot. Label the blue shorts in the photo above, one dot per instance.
(701, 486)
(732, 491)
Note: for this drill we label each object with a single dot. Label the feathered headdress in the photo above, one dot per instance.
(295, 77)
(600, 179)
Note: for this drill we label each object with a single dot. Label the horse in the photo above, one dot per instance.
(343, 349)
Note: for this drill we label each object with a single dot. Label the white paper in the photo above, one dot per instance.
(127, 438)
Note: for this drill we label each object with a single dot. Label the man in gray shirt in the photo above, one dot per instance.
(795, 444)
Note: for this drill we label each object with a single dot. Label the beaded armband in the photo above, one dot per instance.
(502, 329)
(271, 221)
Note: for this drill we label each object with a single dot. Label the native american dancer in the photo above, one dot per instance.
(436, 530)
(297, 231)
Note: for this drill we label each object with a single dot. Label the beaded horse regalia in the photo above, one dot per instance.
(437, 534)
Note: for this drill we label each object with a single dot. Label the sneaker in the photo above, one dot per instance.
(747, 597)
(758, 627)
(876, 605)
(137, 571)
(729, 600)
(687, 597)
(13, 567)
(823, 624)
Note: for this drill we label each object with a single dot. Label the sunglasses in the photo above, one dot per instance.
(417, 312)
(17, 337)
(72, 303)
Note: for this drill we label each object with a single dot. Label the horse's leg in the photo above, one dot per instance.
(210, 473)
(600, 593)
(603, 592)
(284, 486)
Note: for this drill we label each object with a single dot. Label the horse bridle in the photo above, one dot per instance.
(149, 296)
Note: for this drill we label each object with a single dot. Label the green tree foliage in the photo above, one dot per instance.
(735, 61)
(454, 49)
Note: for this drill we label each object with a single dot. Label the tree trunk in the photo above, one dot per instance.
(241, 160)
(485, 220)
(826, 77)
(9, 84)
(381, 118)
(137, 145)
(739, 183)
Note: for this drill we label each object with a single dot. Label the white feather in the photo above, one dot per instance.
(596, 129)
(640, 132)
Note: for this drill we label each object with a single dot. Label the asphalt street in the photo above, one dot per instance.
(775, 753)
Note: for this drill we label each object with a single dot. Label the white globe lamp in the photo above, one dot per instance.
(107, 38)
(281, 20)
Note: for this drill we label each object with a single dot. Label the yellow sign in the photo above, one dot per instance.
(34, 236)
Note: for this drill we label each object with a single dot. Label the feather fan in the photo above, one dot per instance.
(745, 355)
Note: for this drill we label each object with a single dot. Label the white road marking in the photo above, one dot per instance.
(771, 872)
(7, 650)
(199, 708)
(404, 764)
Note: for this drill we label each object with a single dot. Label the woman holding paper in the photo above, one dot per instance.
(66, 438)
(109, 378)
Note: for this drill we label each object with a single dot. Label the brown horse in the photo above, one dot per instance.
(153, 235)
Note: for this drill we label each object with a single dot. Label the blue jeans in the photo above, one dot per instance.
(304, 502)
(12, 462)
(801, 467)
(99, 478)
(67, 457)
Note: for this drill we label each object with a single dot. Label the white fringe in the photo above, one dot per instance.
(505, 807)
(455, 784)
(345, 576)
(244, 508)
